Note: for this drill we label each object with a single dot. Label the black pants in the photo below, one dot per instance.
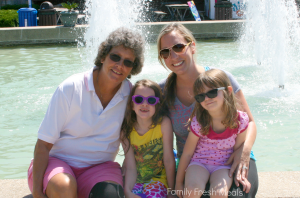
(237, 192)
(107, 190)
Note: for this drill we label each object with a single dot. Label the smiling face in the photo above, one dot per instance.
(179, 63)
(144, 110)
(213, 104)
(117, 71)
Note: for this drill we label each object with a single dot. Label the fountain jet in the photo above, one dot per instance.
(272, 35)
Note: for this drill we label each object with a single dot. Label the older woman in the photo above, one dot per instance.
(79, 137)
(176, 47)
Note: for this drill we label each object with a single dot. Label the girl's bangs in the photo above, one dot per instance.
(205, 81)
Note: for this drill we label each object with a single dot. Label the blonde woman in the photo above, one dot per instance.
(176, 49)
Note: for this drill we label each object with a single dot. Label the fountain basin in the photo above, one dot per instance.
(60, 34)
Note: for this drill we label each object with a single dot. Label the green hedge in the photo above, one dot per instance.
(9, 18)
(17, 7)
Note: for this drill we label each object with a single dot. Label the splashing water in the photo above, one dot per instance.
(106, 16)
(271, 36)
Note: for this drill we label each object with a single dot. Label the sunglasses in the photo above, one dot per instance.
(151, 100)
(178, 48)
(117, 58)
(211, 94)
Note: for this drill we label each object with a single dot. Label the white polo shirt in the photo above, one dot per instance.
(82, 132)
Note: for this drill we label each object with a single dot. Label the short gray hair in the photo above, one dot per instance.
(129, 39)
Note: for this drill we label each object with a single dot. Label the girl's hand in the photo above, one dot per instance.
(179, 190)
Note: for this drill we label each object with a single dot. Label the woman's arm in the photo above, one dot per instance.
(241, 156)
(251, 134)
(240, 139)
(188, 151)
(238, 142)
(168, 156)
(130, 169)
(40, 163)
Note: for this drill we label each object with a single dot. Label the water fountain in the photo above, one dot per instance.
(30, 74)
(272, 35)
(104, 17)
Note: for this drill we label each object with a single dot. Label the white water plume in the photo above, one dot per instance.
(271, 36)
(104, 17)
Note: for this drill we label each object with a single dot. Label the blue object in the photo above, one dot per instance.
(252, 156)
(175, 154)
(27, 17)
(194, 10)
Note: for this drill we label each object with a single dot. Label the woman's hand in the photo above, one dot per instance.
(246, 185)
(240, 159)
(40, 163)
(179, 189)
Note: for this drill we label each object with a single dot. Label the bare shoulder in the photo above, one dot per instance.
(166, 121)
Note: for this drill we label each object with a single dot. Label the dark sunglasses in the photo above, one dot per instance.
(211, 94)
(151, 100)
(117, 58)
(178, 48)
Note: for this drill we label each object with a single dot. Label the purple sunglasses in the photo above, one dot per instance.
(151, 100)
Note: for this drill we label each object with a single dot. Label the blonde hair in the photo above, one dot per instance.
(215, 78)
(169, 89)
(130, 115)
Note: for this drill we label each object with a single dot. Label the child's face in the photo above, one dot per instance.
(144, 110)
(213, 104)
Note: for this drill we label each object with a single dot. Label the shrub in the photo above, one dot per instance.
(17, 7)
(9, 18)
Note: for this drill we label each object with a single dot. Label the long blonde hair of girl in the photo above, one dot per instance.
(213, 79)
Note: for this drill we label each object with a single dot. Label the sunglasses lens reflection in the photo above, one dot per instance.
(139, 100)
(151, 100)
(212, 94)
(128, 63)
(178, 48)
(165, 53)
(117, 58)
(200, 98)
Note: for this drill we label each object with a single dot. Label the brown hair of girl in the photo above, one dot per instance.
(213, 79)
(130, 115)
